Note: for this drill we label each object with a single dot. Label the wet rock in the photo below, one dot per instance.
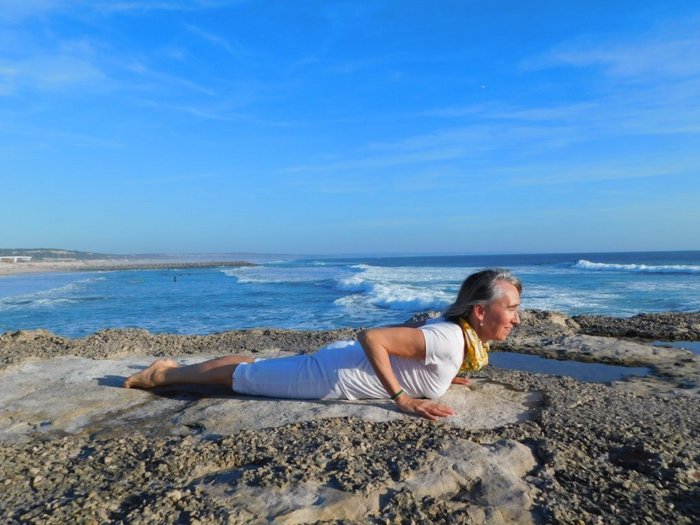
(421, 317)
(667, 326)
(543, 322)
(600, 349)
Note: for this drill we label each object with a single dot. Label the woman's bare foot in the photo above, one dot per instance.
(152, 376)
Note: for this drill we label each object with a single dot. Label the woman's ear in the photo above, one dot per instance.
(478, 311)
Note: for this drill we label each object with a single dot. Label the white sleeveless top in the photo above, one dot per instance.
(444, 353)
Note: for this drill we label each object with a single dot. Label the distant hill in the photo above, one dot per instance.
(52, 254)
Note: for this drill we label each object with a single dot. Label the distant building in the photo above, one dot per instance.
(15, 259)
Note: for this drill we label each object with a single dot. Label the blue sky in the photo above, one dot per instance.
(350, 127)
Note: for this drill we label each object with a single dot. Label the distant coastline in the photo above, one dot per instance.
(111, 265)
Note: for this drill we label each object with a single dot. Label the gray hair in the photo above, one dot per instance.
(480, 288)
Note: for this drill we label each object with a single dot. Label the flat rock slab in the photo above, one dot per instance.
(482, 481)
(616, 350)
(74, 394)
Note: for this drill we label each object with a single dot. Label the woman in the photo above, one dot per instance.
(404, 364)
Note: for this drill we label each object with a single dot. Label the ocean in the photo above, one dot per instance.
(332, 292)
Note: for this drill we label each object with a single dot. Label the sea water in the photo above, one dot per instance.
(327, 292)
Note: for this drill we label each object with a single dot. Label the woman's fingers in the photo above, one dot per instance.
(459, 380)
(432, 410)
(441, 410)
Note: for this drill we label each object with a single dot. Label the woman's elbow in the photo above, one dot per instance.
(365, 337)
(362, 336)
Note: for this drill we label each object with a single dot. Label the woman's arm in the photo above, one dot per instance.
(379, 344)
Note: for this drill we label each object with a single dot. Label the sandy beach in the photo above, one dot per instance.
(625, 452)
(8, 268)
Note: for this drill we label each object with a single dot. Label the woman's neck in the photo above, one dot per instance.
(474, 323)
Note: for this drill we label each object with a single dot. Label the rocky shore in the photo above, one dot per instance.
(523, 448)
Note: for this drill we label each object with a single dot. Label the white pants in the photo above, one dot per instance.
(294, 377)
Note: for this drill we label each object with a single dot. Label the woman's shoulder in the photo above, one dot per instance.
(442, 325)
(440, 321)
(435, 320)
(444, 344)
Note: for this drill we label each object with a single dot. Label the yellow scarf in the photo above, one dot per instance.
(476, 354)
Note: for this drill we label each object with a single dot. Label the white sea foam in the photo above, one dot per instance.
(358, 278)
(407, 289)
(584, 264)
(60, 296)
(410, 298)
(411, 274)
(280, 274)
(567, 299)
(356, 283)
(401, 298)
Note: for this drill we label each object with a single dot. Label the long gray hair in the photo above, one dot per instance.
(480, 288)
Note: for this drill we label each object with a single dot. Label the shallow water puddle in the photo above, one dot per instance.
(693, 346)
(587, 372)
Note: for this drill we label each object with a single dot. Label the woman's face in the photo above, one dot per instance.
(495, 320)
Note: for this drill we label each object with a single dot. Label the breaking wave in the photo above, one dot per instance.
(584, 264)
(398, 288)
(71, 293)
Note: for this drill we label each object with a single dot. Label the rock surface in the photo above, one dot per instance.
(478, 483)
(669, 326)
(572, 452)
(75, 394)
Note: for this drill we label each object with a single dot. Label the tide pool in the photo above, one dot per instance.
(586, 372)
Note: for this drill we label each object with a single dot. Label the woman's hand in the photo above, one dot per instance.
(460, 380)
(423, 407)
